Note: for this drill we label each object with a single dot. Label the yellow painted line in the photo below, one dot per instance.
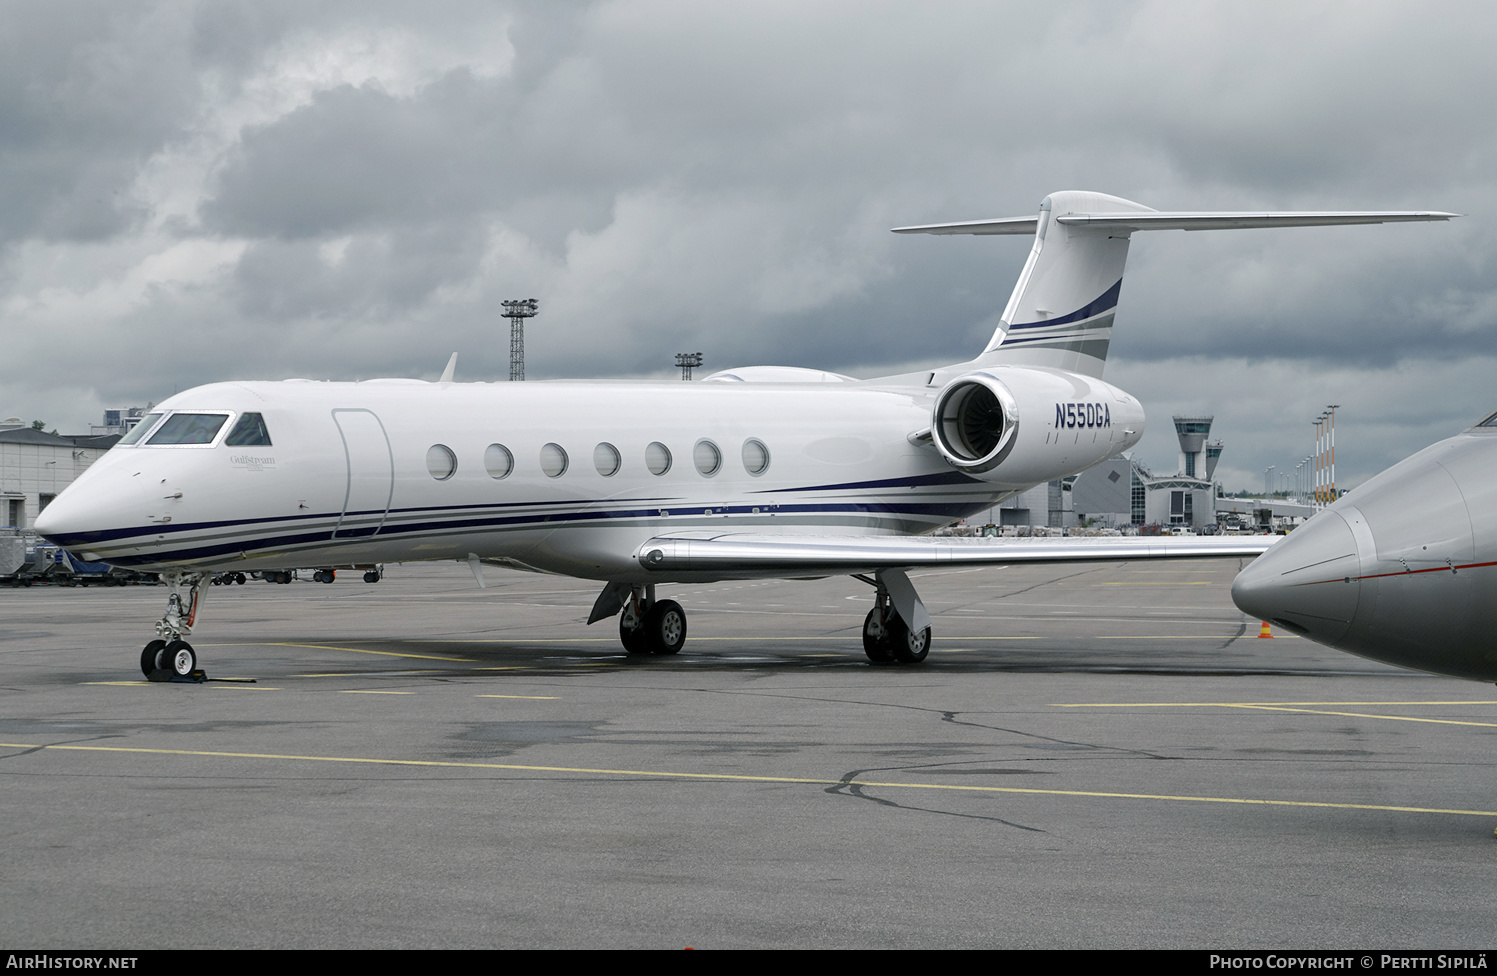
(535, 697)
(1289, 707)
(729, 777)
(347, 691)
(362, 674)
(219, 683)
(1164, 583)
(1390, 718)
(757, 639)
(521, 640)
(360, 650)
(1172, 637)
(1263, 704)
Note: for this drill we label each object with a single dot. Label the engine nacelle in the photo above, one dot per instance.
(975, 423)
(1069, 423)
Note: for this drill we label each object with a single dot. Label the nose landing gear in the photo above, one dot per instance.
(169, 657)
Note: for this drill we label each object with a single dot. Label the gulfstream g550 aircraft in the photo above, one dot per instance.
(755, 473)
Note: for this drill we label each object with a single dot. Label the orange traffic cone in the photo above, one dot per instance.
(1265, 632)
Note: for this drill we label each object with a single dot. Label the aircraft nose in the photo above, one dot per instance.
(60, 520)
(1308, 582)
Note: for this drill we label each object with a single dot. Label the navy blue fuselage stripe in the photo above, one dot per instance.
(915, 481)
(93, 539)
(1108, 299)
(453, 527)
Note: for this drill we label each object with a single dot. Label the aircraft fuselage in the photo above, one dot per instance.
(565, 477)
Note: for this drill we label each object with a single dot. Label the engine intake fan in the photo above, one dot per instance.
(975, 423)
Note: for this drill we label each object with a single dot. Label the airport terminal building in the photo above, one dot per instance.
(1122, 491)
(35, 466)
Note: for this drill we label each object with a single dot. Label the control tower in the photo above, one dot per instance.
(1193, 432)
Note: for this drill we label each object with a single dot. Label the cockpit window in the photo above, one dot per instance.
(140, 430)
(249, 432)
(1489, 422)
(188, 428)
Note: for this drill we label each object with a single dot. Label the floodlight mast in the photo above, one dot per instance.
(517, 312)
(688, 361)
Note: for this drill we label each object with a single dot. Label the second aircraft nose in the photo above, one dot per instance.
(1308, 582)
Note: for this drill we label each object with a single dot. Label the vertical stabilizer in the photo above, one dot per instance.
(1060, 313)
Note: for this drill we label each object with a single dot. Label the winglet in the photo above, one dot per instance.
(450, 370)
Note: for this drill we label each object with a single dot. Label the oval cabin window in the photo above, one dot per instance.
(658, 458)
(606, 459)
(441, 463)
(498, 461)
(755, 456)
(707, 458)
(553, 461)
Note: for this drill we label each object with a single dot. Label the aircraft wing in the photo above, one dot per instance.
(755, 554)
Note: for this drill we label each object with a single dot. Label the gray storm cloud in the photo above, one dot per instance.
(196, 192)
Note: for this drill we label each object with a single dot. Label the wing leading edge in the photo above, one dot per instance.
(750, 554)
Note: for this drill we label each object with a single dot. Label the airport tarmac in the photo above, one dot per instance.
(1092, 756)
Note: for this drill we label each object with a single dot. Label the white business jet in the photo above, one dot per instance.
(763, 472)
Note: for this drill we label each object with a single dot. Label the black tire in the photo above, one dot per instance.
(153, 657)
(666, 626)
(181, 659)
(876, 639)
(909, 647)
(371, 577)
(635, 640)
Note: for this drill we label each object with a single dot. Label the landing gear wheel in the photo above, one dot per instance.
(181, 660)
(153, 657)
(876, 639)
(371, 577)
(910, 647)
(666, 626)
(635, 639)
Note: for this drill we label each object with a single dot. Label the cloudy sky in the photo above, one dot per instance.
(192, 192)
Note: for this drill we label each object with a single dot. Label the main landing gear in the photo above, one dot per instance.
(888, 637)
(647, 625)
(169, 657)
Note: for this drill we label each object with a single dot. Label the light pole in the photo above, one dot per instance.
(688, 361)
(517, 312)
(1332, 446)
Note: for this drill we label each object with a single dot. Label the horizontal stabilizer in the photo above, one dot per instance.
(1001, 225)
(1208, 220)
(1061, 311)
(747, 554)
(1184, 220)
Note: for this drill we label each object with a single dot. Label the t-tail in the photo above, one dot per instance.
(1061, 310)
